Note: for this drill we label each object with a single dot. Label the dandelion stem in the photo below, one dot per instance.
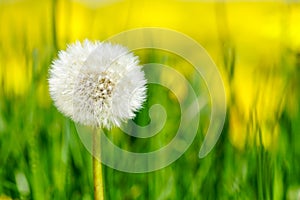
(97, 168)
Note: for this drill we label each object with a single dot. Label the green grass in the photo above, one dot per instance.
(42, 145)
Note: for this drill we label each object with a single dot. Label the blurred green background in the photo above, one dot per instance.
(256, 46)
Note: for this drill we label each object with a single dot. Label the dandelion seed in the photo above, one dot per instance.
(97, 84)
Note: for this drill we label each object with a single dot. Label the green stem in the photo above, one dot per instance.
(97, 168)
(260, 166)
(54, 26)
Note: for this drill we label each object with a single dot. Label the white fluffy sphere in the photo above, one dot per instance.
(97, 84)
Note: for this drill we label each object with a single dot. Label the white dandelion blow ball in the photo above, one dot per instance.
(97, 84)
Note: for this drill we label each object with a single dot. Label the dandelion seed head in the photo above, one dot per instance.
(97, 84)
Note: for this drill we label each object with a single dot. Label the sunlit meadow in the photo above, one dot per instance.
(256, 46)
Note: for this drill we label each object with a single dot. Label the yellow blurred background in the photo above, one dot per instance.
(254, 44)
